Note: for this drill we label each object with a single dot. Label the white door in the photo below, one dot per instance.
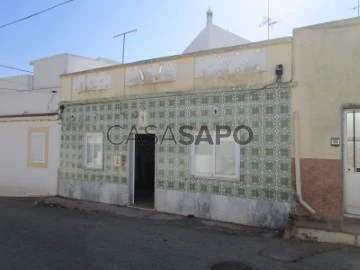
(131, 166)
(352, 162)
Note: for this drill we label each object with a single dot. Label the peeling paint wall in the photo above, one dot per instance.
(248, 64)
(260, 213)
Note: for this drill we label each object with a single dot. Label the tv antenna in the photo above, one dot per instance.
(124, 37)
(357, 7)
(267, 21)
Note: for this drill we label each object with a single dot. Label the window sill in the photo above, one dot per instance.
(37, 165)
(217, 178)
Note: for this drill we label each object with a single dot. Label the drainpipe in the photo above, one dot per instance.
(297, 164)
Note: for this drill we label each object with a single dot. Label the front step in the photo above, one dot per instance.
(323, 236)
(345, 232)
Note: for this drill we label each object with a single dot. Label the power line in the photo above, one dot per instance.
(35, 14)
(30, 90)
(18, 92)
(40, 90)
(11, 89)
(14, 68)
(50, 103)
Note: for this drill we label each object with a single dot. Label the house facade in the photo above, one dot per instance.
(326, 99)
(30, 126)
(152, 100)
(296, 100)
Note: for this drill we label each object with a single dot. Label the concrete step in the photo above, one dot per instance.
(345, 232)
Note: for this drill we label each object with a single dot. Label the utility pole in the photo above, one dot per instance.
(124, 37)
(268, 23)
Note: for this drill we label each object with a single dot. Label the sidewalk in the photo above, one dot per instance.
(133, 212)
(97, 236)
(345, 233)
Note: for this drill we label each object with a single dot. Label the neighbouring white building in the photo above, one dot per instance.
(30, 126)
(214, 37)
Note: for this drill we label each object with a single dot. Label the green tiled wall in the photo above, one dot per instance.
(264, 163)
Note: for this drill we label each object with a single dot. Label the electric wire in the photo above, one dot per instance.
(14, 68)
(35, 14)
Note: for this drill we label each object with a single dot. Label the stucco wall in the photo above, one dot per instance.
(17, 179)
(29, 102)
(326, 67)
(326, 73)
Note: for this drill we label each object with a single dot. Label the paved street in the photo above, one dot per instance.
(35, 237)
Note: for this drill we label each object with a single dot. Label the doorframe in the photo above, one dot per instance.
(131, 166)
(344, 110)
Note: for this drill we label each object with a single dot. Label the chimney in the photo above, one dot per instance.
(209, 15)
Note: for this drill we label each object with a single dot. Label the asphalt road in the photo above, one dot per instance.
(33, 237)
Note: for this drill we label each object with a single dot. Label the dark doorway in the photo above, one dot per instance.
(144, 170)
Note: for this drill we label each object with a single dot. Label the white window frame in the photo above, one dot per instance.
(214, 175)
(93, 165)
(44, 131)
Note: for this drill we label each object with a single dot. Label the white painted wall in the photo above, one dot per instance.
(47, 70)
(16, 179)
(20, 82)
(78, 63)
(29, 102)
(37, 96)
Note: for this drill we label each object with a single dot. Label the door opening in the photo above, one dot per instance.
(352, 162)
(144, 185)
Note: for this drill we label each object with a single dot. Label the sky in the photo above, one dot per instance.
(165, 27)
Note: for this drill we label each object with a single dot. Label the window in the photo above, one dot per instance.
(218, 161)
(37, 154)
(93, 150)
